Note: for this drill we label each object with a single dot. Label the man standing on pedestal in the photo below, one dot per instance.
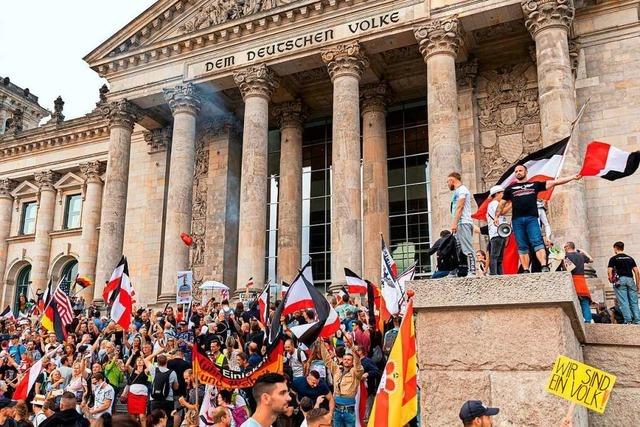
(462, 224)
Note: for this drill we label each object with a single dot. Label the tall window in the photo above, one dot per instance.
(273, 179)
(22, 285)
(72, 210)
(28, 218)
(69, 273)
(408, 173)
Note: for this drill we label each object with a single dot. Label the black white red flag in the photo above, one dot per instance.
(542, 165)
(609, 162)
(263, 305)
(7, 313)
(297, 296)
(355, 284)
(391, 291)
(121, 295)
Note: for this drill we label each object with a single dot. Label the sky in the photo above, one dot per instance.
(42, 43)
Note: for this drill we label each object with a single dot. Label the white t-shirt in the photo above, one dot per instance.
(296, 362)
(251, 423)
(102, 394)
(491, 215)
(460, 193)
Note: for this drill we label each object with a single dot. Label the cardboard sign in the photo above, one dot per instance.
(580, 383)
(184, 287)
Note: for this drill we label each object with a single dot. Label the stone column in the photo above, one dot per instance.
(6, 209)
(44, 225)
(346, 63)
(91, 206)
(185, 104)
(439, 44)
(549, 22)
(290, 117)
(256, 84)
(375, 193)
(122, 116)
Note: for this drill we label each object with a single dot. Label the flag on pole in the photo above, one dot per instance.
(44, 299)
(250, 283)
(355, 284)
(263, 305)
(84, 282)
(121, 295)
(391, 291)
(7, 313)
(28, 380)
(608, 162)
(297, 296)
(542, 165)
(108, 293)
(377, 304)
(396, 401)
(58, 315)
(361, 403)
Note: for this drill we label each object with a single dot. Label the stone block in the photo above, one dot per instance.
(622, 409)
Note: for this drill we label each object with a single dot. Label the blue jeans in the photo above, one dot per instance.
(627, 295)
(344, 418)
(585, 305)
(528, 234)
(439, 274)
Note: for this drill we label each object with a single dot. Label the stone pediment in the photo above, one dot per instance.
(69, 180)
(175, 26)
(25, 188)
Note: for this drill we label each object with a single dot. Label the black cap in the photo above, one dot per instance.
(6, 403)
(473, 409)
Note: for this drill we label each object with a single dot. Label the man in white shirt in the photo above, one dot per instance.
(103, 396)
(462, 224)
(272, 397)
(496, 243)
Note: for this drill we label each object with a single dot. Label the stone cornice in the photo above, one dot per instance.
(541, 14)
(121, 113)
(183, 99)
(6, 187)
(345, 59)
(256, 80)
(76, 131)
(92, 170)
(290, 114)
(46, 180)
(134, 52)
(443, 36)
(375, 97)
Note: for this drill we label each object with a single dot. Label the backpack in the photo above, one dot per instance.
(239, 415)
(448, 259)
(389, 339)
(161, 385)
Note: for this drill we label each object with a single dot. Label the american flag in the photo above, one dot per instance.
(63, 305)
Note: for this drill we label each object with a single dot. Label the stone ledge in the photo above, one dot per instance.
(508, 291)
(611, 334)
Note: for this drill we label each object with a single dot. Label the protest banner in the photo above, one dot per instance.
(185, 287)
(580, 383)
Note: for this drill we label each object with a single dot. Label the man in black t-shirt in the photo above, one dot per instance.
(523, 196)
(622, 270)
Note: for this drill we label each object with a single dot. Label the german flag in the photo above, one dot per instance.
(209, 373)
(84, 282)
(397, 398)
(376, 302)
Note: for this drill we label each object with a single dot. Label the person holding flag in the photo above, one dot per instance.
(523, 196)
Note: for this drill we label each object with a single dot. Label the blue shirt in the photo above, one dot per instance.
(16, 351)
(302, 387)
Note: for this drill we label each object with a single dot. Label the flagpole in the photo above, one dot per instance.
(574, 124)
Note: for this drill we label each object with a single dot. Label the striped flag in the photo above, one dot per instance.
(298, 297)
(28, 380)
(7, 313)
(121, 295)
(608, 162)
(396, 401)
(361, 403)
(63, 306)
(355, 284)
(391, 291)
(263, 305)
(542, 165)
(58, 313)
(84, 282)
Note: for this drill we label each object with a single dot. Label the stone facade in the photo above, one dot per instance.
(180, 141)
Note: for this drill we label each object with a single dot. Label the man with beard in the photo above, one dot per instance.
(523, 196)
(461, 224)
(272, 396)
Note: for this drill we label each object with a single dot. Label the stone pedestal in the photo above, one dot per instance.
(91, 207)
(6, 209)
(122, 116)
(257, 84)
(439, 44)
(495, 339)
(290, 116)
(44, 226)
(346, 63)
(375, 193)
(549, 22)
(184, 104)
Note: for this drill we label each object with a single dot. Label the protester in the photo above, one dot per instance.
(443, 264)
(496, 242)
(272, 396)
(315, 389)
(318, 417)
(474, 413)
(68, 415)
(576, 260)
(482, 263)
(38, 414)
(462, 223)
(523, 195)
(622, 269)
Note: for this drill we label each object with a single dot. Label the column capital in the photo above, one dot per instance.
(442, 36)
(257, 80)
(221, 124)
(46, 179)
(345, 59)
(121, 113)
(158, 139)
(541, 14)
(290, 114)
(375, 97)
(6, 187)
(183, 99)
(92, 171)
(466, 73)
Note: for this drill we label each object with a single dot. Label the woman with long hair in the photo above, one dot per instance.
(23, 306)
(157, 418)
(231, 352)
(482, 263)
(22, 415)
(137, 390)
(315, 361)
(78, 384)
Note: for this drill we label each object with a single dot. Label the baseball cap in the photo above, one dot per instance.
(496, 189)
(473, 409)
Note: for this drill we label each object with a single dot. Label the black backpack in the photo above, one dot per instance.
(161, 385)
(448, 258)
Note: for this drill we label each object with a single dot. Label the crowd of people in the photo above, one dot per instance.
(145, 372)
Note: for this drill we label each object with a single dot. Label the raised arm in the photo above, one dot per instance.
(561, 181)
(499, 211)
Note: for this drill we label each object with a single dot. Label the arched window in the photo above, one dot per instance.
(69, 273)
(22, 285)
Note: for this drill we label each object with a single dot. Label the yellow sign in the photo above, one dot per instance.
(580, 383)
